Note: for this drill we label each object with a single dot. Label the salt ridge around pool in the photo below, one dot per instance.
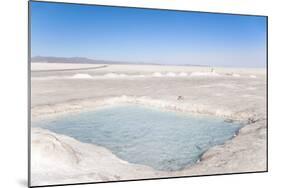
(164, 140)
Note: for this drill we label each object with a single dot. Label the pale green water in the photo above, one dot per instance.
(160, 139)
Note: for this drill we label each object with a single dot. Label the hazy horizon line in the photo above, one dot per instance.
(108, 61)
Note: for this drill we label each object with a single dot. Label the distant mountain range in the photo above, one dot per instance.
(49, 59)
(83, 60)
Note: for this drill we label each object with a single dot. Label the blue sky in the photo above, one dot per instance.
(147, 36)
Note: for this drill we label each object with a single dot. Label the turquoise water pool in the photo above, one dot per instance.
(164, 140)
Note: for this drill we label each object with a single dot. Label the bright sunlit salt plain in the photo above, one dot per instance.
(164, 140)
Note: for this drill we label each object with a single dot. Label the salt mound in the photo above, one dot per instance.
(171, 74)
(182, 74)
(235, 75)
(123, 75)
(82, 76)
(46, 144)
(157, 74)
(111, 75)
(204, 74)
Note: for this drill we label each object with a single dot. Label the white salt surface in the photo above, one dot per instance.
(171, 74)
(236, 75)
(157, 74)
(205, 74)
(111, 75)
(82, 76)
(183, 74)
(80, 162)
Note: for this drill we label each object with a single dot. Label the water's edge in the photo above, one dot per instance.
(50, 112)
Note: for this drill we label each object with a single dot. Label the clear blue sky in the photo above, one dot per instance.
(149, 36)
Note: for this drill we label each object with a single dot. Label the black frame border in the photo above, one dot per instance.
(132, 7)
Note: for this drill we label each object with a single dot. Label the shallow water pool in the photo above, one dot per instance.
(164, 140)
